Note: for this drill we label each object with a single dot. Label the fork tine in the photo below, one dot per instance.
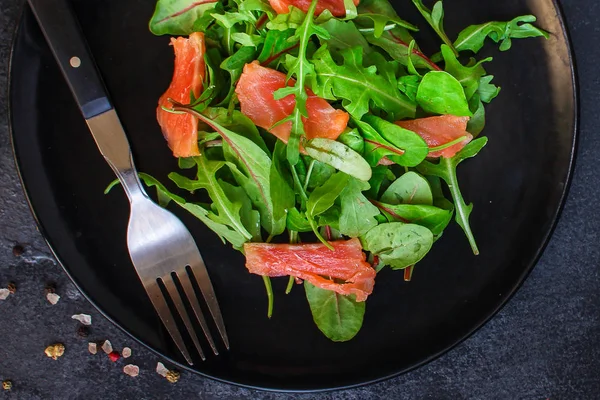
(193, 299)
(174, 293)
(161, 307)
(203, 280)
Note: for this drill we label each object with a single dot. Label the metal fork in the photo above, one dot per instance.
(160, 246)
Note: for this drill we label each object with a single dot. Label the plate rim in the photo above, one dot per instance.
(476, 327)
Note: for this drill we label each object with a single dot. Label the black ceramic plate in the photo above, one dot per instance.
(517, 184)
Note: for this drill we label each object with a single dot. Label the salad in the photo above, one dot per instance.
(316, 137)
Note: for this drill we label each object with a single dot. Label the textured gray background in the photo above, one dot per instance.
(544, 344)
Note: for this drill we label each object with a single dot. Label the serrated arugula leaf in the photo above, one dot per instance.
(435, 18)
(225, 232)
(357, 86)
(276, 44)
(358, 214)
(177, 17)
(382, 22)
(302, 70)
(446, 170)
(473, 37)
(396, 43)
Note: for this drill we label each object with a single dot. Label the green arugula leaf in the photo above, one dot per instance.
(291, 20)
(473, 37)
(397, 244)
(410, 188)
(433, 218)
(358, 214)
(357, 86)
(247, 40)
(250, 218)
(339, 156)
(317, 174)
(282, 195)
(487, 91)
(396, 43)
(382, 22)
(323, 197)
(302, 70)
(344, 35)
(446, 170)
(401, 146)
(177, 17)
(277, 44)
(297, 221)
(352, 139)
(228, 19)
(338, 317)
(409, 85)
(470, 77)
(435, 18)
(225, 232)
(234, 64)
(477, 121)
(227, 211)
(440, 93)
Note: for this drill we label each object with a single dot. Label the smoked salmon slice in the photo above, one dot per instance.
(255, 92)
(335, 6)
(344, 270)
(181, 130)
(437, 131)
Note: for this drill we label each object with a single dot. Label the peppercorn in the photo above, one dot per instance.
(18, 250)
(83, 331)
(114, 356)
(173, 376)
(7, 385)
(12, 288)
(50, 287)
(55, 350)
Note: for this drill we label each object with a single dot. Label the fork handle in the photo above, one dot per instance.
(63, 33)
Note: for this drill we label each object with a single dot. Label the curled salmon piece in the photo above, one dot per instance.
(181, 130)
(335, 6)
(437, 131)
(344, 270)
(255, 90)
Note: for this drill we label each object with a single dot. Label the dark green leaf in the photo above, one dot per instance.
(413, 148)
(177, 17)
(440, 93)
(433, 218)
(320, 172)
(344, 35)
(338, 317)
(435, 18)
(276, 45)
(352, 139)
(473, 37)
(234, 64)
(250, 218)
(397, 244)
(323, 197)
(357, 86)
(297, 221)
(410, 188)
(358, 214)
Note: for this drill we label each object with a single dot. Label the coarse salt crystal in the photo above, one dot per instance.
(126, 353)
(131, 370)
(52, 298)
(161, 370)
(92, 347)
(83, 318)
(107, 347)
(4, 294)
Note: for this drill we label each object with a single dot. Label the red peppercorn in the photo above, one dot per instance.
(114, 356)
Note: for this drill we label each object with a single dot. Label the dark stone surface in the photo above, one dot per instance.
(544, 344)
